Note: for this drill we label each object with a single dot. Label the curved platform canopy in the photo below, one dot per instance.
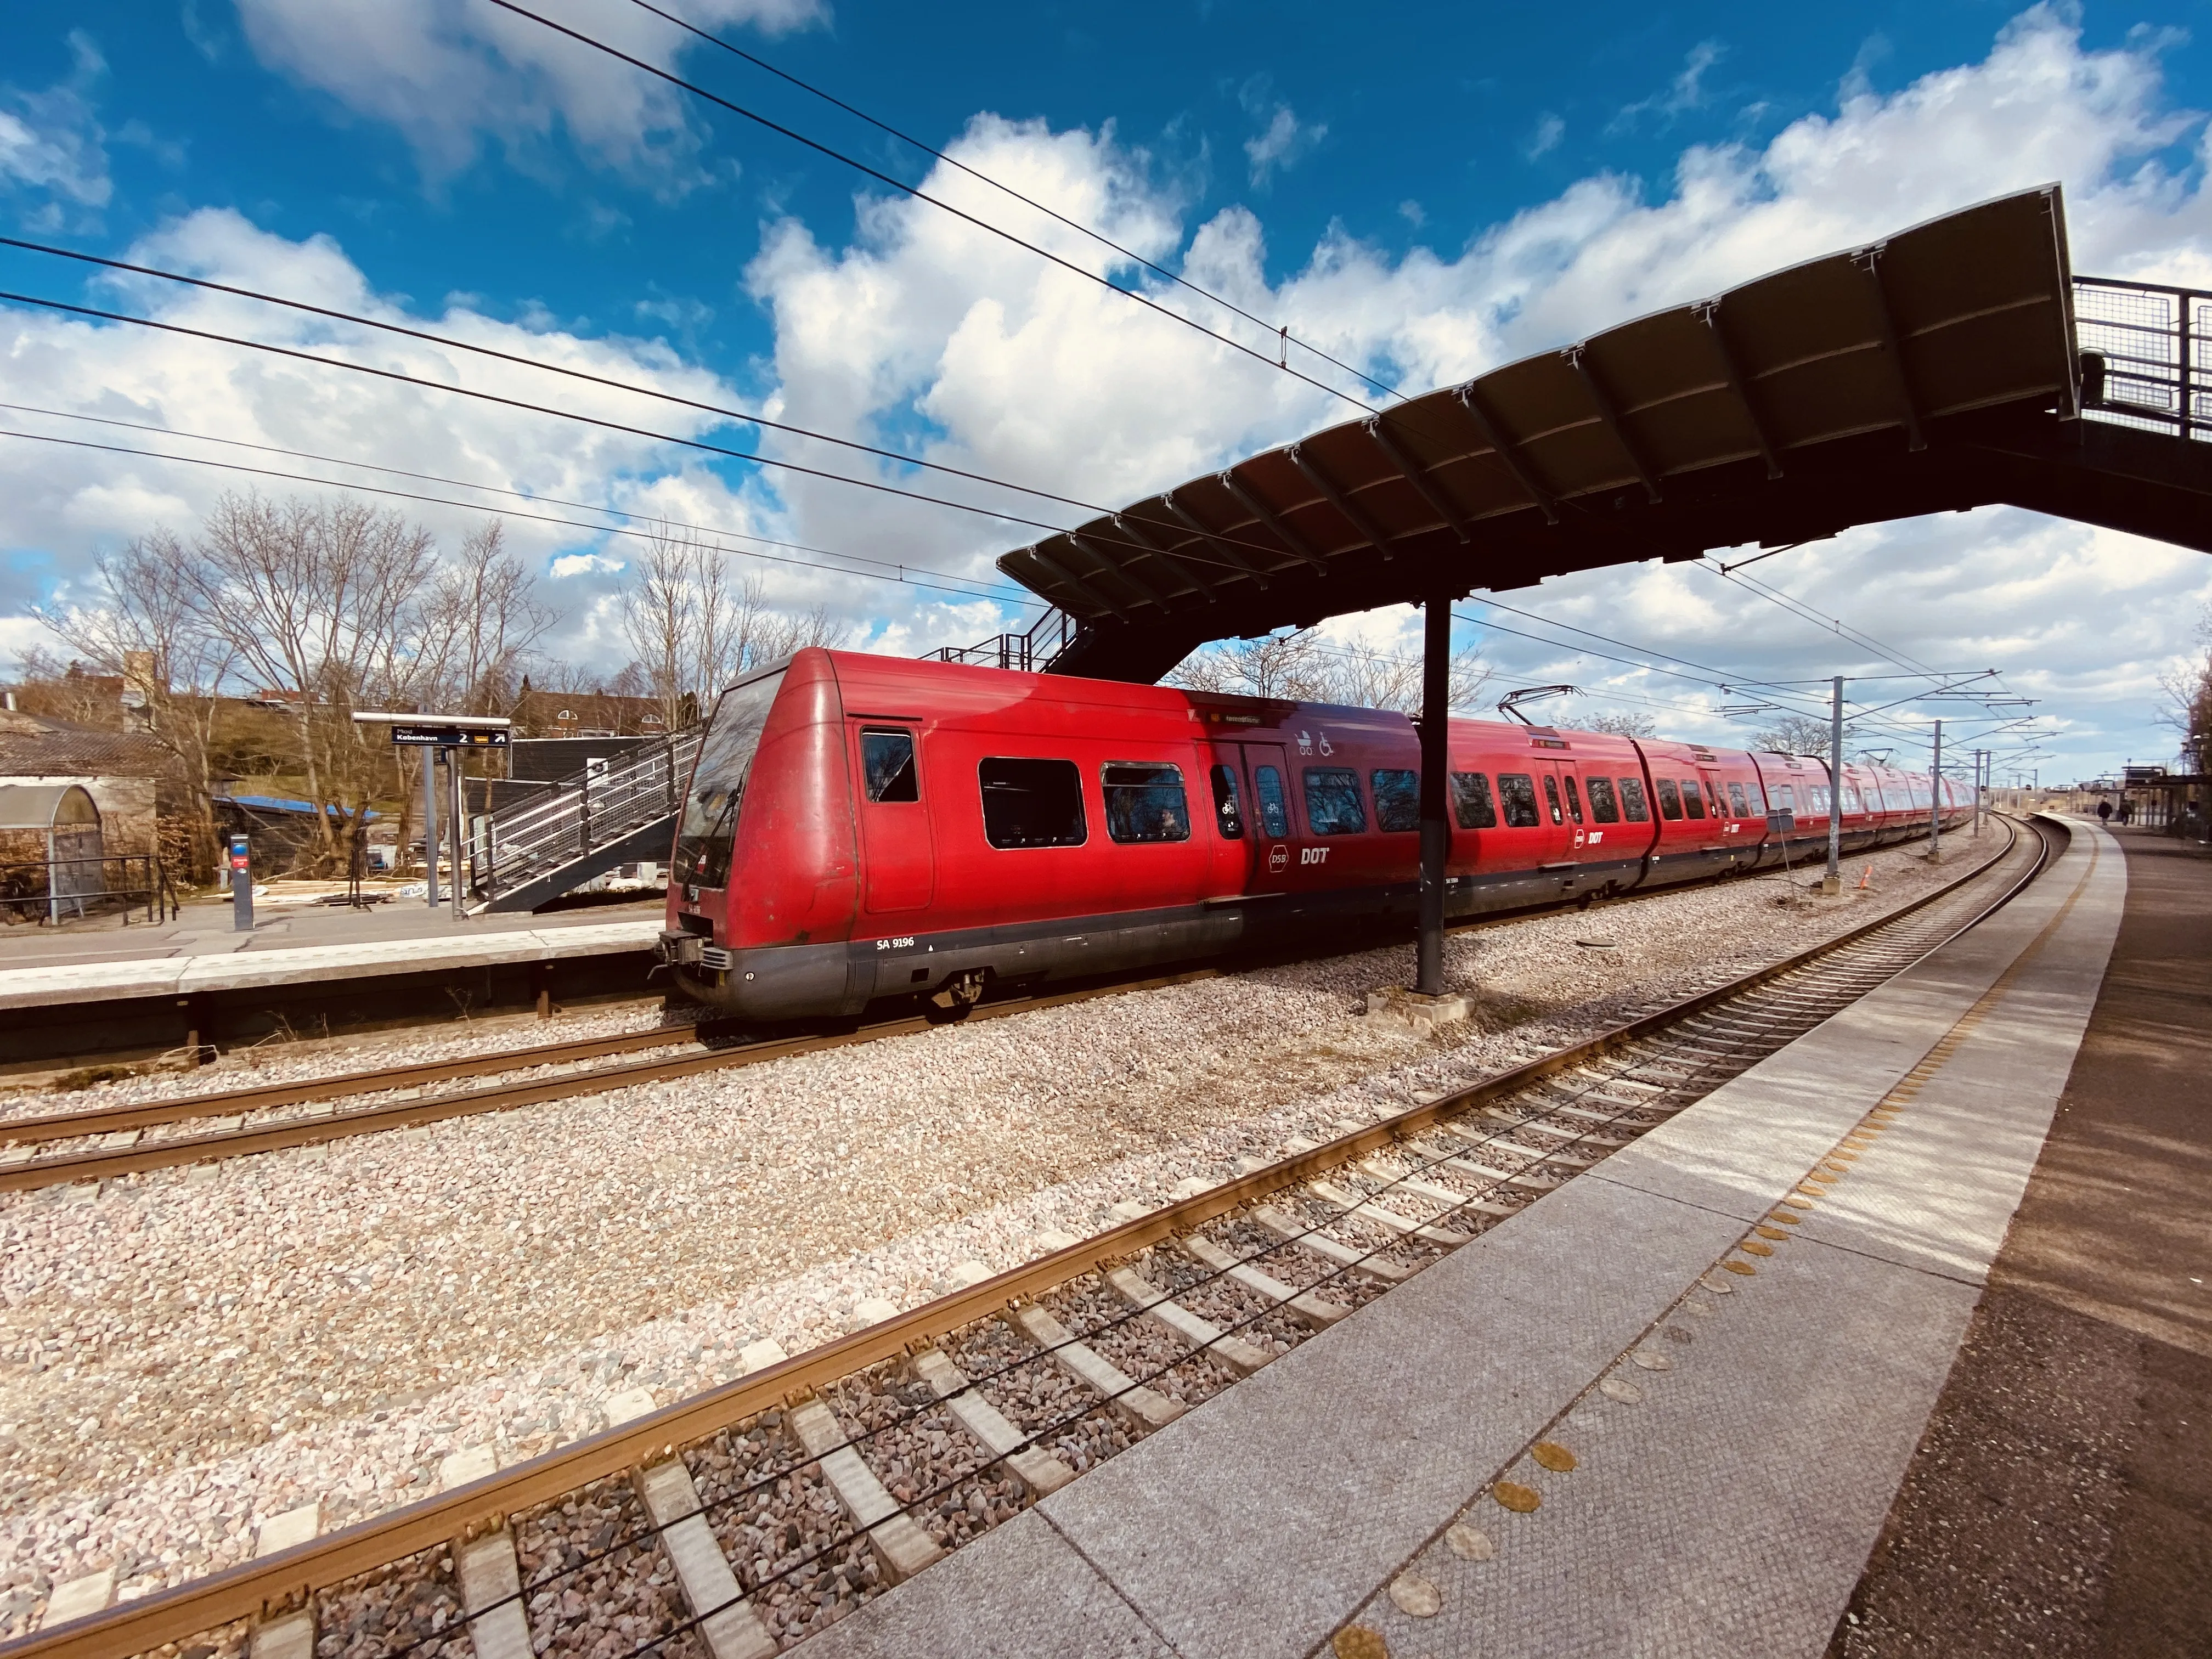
(1935, 370)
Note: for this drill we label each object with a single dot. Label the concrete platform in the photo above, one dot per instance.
(2060, 1499)
(1730, 1508)
(142, 988)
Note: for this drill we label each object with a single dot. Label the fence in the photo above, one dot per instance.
(1027, 654)
(2144, 351)
(55, 890)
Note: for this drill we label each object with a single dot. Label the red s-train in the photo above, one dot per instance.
(859, 827)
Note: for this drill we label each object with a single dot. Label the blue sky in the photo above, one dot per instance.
(1430, 191)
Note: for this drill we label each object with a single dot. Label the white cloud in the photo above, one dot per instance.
(1550, 128)
(584, 564)
(1686, 91)
(927, 335)
(976, 354)
(51, 142)
(75, 503)
(448, 73)
(1282, 144)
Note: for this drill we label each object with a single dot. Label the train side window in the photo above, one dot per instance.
(1603, 807)
(1786, 798)
(1274, 805)
(1670, 798)
(1816, 799)
(1633, 804)
(1736, 801)
(1397, 799)
(1332, 803)
(1517, 790)
(887, 762)
(1552, 797)
(1031, 803)
(1471, 802)
(1692, 802)
(1574, 799)
(1228, 810)
(1754, 799)
(1144, 802)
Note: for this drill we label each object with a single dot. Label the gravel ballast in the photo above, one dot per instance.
(184, 1356)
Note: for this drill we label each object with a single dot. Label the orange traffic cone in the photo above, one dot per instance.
(1866, 879)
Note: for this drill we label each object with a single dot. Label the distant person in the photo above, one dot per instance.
(2104, 811)
(2127, 811)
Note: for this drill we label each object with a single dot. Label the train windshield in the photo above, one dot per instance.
(708, 833)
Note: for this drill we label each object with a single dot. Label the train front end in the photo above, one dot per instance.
(762, 882)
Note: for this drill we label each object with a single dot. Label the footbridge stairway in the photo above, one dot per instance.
(611, 814)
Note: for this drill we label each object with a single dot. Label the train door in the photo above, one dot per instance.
(1272, 828)
(1717, 847)
(1539, 849)
(895, 847)
(1575, 830)
(1225, 795)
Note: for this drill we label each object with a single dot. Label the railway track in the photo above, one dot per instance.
(102, 1143)
(736, 1522)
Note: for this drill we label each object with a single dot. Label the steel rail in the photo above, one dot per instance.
(105, 1165)
(289, 1577)
(226, 1103)
(183, 1109)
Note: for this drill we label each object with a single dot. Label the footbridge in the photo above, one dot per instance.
(1957, 364)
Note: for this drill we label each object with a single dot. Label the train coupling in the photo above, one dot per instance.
(682, 950)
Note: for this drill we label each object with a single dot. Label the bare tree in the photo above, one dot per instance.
(1802, 735)
(1299, 664)
(481, 619)
(2188, 701)
(145, 626)
(1622, 726)
(321, 601)
(694, 629)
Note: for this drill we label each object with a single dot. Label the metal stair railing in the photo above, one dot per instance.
(2146, 355)
(587, 810)
(1024, 653)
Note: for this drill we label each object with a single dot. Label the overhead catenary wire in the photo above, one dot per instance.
(1827, 623)
(746, 418)
(1280, 331)
(742, 417)
(1001, 594)
(893, 575)
(1777, 688)
(1706, 675)
(905, 189)
(1714, 678)
(757, 460)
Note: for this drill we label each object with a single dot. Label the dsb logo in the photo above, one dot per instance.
(1278, 859)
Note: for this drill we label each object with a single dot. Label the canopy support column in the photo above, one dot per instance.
(1435, 759)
